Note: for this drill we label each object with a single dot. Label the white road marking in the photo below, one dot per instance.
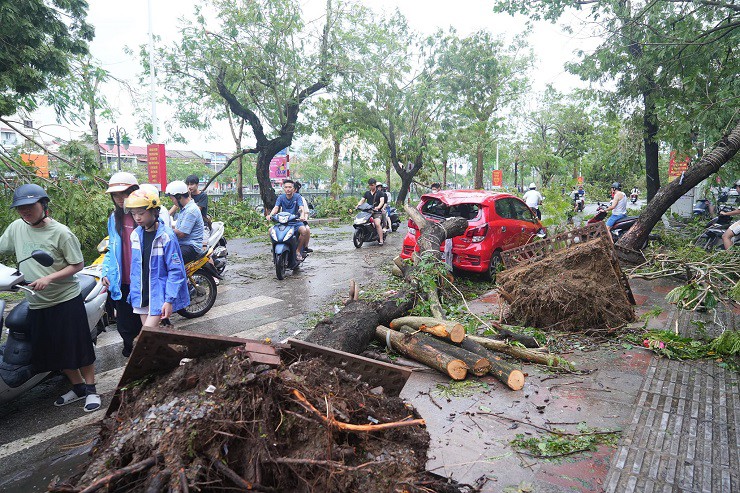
(230, 309)
(106, 382)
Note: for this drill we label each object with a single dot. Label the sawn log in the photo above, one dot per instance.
(417, 349)
(506, 373)
(477, 364)
(445, 329)
(521, 353)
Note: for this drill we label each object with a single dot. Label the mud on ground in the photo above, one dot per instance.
(252, 431)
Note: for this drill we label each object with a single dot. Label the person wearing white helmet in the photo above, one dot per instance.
(116, 274)
(164, 214)
(189, 226)
(533, 198)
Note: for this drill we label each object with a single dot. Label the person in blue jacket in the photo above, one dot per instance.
(158, 281)
(116, 275)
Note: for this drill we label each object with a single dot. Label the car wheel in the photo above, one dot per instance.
(495, 266)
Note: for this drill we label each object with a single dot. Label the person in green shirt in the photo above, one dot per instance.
(59, 332)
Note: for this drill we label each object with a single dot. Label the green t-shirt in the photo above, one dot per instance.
(60, 242)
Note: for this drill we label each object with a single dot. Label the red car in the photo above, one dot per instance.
(496, 222)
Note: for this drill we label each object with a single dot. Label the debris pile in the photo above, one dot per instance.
(222, 423)
(573, 289)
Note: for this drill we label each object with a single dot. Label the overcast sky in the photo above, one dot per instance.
(121, 24)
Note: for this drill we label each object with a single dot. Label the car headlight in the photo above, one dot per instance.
(273, 235)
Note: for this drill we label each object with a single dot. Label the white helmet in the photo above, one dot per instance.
(177, 187)
(149, 189)
(121, 181)
(532, 186)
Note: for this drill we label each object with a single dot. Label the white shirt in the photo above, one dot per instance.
(533, 198)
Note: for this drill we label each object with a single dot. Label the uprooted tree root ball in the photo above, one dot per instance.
(574, 289)
(262, 429)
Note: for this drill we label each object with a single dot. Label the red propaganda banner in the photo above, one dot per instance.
(156, 160)
(38, 161)
(497, 178)
(677, 165)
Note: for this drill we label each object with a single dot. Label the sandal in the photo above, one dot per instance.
(92, 403)
(68, 398)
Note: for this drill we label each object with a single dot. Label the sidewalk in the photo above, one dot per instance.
(678, 418)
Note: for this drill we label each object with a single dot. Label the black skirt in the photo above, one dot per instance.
(60, 337)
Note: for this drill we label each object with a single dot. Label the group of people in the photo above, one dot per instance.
(143, 270)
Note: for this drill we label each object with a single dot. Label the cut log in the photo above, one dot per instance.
(353, 327)
(445, 329)
(511, 332)
(418, 350)
(521, 353)
(477, 364)
(505, 372)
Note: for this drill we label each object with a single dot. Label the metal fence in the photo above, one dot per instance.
(254, 199)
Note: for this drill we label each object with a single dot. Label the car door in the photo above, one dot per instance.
(503, 224)
(527, 226)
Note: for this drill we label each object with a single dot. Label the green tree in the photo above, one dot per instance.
(38, 37)
(480, 76)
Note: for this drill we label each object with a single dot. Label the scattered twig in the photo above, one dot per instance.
(124, 471)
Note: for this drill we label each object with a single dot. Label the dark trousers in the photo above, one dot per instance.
(189, 253)
(129, 323)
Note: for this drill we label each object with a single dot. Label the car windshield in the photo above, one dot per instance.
(437, 208)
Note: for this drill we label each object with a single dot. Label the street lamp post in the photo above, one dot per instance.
(117, 137)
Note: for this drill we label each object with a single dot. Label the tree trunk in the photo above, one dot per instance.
(445, 329)
(516, 172)
(406, 179)
(650, 127)
(335, 168)
(267, 194)
(418, 350)
(240, 176)
(444, 174)
(710, 163)
(388, 166)
(478, 365)
(504, 372)
(479, 168)
(521, 353)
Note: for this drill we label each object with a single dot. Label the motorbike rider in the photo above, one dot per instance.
(293, 203)
(618, 205)
(374, 197)
(533, 198)
(635, 191)
(158, 282)
(116, 273)
(59, 331)
(307, 210)
(385, 220)
(436, 187)
(734, 228)
(189, 226)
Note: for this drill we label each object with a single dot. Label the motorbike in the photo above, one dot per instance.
(393, 217)
(285, 244)
(203, 272)
(619, 228)
(16, 372)
(701, 208)
(711, 238)
(364, 226)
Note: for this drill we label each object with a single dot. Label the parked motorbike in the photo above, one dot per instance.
(16, 372)
(364, 226)
(218, 243)
(285, 243)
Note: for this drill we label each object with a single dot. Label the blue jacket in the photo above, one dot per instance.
(167, 280)
(112, 260)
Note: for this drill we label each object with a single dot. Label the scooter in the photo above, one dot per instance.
(393, 217)
(364, 226)
(16, 372)
(619, 228)
(202, 274)
(711, 238)
(217, 242)
(285, 244)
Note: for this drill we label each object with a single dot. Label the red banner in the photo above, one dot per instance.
(156, 159)
(497, 178)
(677, 165)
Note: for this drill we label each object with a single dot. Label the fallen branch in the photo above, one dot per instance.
(445, 329)
(238, 480)
(521, 353)
(118, 474)
(349, 426)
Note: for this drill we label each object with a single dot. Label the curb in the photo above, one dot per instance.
(324, 220)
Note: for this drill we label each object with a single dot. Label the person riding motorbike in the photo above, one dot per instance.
(293, 203)
(307, 209)
(189, 226)
(385, 220)
(374, 197)
(158, 282)
(618, 205)
(58, 326)
(116, 273)
(436, 187)
(734, 228)
(533, 198)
